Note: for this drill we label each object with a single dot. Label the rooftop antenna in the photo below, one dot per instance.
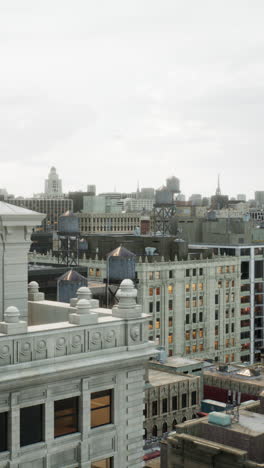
(232, 406)
(218, 189)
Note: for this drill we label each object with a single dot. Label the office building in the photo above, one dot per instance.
(53, 185)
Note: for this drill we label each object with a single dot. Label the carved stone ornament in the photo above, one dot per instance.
(4, 351)
(96, 338)
(134, 333)
(76, 341)
(61, 343)
(110, 336)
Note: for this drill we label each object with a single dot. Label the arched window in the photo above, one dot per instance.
(184, 419)
(145, 434)
(174, 424)
(164, 427)
(155, 431)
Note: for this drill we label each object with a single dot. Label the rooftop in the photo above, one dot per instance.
(159, 378)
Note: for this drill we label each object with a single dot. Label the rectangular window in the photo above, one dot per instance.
(157, 291)
(200, 316)
(170, 289)
(150, 291)
(150, 275)
(150, 307)
(194, 334)
(187, 349)
(220, 269)
(187, 303)
(216, 314)
(158, 323)
(194, 318)
(170, 274)
(227, 328)
(201, 286)
(31, 425)
(219, 284)
(194, 272)
(200, 301)
(216, 299)
(200, 271)
(170, 322)
(3, 432)
(216, 330)
(170, 304)
(154, 408)
(201, 333)
(91, 271)
(194, 302)
(187, 319)
(170, 338)
(174, 401)
(187, 273)
(184, 400)
(65, 416)
(150, 325)
(201, 347)
(158, 306)
(194, 398)
(164, 405)
(232, 327)
(187, 287)
(105, 463)
(101, 408)
(194, 286)
(194, 348)
(98, 272)
(157, 275)
(187, 335)
(216, 344)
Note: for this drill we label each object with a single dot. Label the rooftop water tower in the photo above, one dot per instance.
(68, 233)
(165, 207)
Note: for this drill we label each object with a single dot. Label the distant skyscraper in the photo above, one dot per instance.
(241, 197)
(259, 198)
(53, 185)
(218, 189)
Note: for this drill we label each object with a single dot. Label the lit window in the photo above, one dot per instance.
(150, 275)
(187, 349)
(227, 269)
(157, 291)
(157, 274)
(150, 325)
(201, 332)
(194, 286)
(101, 408)
(170, 338)
(91, 272)
(227, 358)
(187, 287)
(220, 269)
(170, 289)
(187, 335)
(201, 347)
(194, 302)
(194, 348)
(98, 272)
(216, 344)
(150, 291)
(200, 301)
(105, 463)
(158, 323)
(227, 343)
(216, 330)
(201, 286)
(227, 284)
(219, 284)
(170, 321)
(187, 303)
(194, 334)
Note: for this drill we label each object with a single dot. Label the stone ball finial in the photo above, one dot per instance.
(127, 292)
(33, 287)
(12, 314)
(83, 306)
(84, 293)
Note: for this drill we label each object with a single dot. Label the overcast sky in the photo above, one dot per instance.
(112, 92)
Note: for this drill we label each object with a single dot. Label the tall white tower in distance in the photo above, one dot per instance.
(53, 185)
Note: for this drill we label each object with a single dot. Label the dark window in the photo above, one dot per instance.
(227, 328)
(200, 271)
(106, 463)
(154, 408)
(65, 416)
(150, 307)
(187, 272)
(174, 403)
(164, 428)
(232, 327)
(184, 400)
(216, 299)
(194, 318)
(170, 304)
(158, 306)
(3, 432)
(200, 317)
(145, 411)
(101, 408)
(194, 398)
(31, 425)
(216, 314)
(170, 274)
(155, 431)
(187, 319)
(194, 272)
(164, 405)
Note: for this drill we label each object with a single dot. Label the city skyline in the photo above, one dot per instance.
(140, 91)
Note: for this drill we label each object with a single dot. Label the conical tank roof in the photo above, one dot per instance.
(68, 213)
(121, 252)
(71, 275)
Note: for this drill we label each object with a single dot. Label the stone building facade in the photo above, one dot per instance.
(71, 391)
(169, 399)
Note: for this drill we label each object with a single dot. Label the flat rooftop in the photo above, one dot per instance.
(159, 378)
(175, 361)
(239, 374)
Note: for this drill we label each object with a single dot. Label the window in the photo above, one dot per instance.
(187, 287)
(216, 299)
(227, 284)
(227, 358)
(187, 349)
(227, 343)
(200, 316)
(184, 400)
(232, 327)
(201, 286)
(227, 328)
(150, 291)
(105, 463)
(194, 348)
(31, 425)
(170, 304)
(200, 271)
(158, 323)
(154, 408)
(101, 408)
(98, 272)
(150, 275)
(201, 347)
(145, 411)
(170, 323)
(150, 325)
(194, 334)
(170, 289)
(194, 318)
(219, 284)
(194, 302)
(157, 291)
(194, 398)
(187, 335)
(65, 416)
(216, 314)
(216, 330)
(170, 274)
(150, 307)
(220, 270)
(201, 333)
(187, 303)
(91, 271)
(200, 301)
(3, 432)
(174, 401)
(216, 344)
(157, 275)
(170, 338)
(164, 405)
(194, 286)
(194, 272)
(187, 273)
(158, 306)
(187, 319)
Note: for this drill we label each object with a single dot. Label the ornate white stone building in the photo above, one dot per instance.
(72, 377)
